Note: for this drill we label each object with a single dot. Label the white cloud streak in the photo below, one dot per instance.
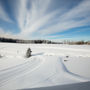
(71, 19)
(3, 15)
(31, 20)
(5, 34)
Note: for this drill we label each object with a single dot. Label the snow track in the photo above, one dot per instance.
(45, 68)
(73, 75)
(18, 70)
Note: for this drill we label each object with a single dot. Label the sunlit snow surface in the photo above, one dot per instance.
(49, 65)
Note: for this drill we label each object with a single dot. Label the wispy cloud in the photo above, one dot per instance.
(6, 34)
(3, 15)
(76, 17)
(32, 19)
(36, 21)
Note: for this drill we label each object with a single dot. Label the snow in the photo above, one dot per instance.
(79, 65)
(76, 86)
(49, 65)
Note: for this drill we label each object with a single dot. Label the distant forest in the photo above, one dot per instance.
(82, 42)
(26, 41)
(10, 40)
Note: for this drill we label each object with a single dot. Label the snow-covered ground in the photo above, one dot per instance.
(49, 65)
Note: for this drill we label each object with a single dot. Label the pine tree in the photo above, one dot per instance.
(28, 53)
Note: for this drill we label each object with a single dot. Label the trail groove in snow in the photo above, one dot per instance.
(73, 75)
(44, 68)
(18, 70)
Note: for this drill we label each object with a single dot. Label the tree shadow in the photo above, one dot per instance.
(36, 54)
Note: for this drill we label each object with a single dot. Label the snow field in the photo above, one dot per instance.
(49, 65)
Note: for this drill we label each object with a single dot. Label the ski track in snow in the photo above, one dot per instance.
(44, 68)
(73, 75)
(17, 71)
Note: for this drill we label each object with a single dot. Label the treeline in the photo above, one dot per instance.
(10, 40)
(7, 40)
(34, 41)
(25, 41)
(77, 42)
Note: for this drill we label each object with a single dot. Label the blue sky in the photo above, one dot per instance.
(45, 19)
